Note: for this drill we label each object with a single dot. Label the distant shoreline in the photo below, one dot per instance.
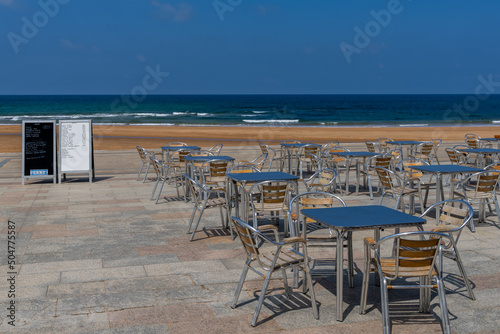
(117, 137)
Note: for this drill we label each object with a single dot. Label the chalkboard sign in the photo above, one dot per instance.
(39, 149)
(75, 147)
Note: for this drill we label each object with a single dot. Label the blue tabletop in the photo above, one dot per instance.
(355, 154)
(209, 158)
(480, 150)
(405, 142)
(490, 139)
(263, 176)
(362, 217)
(443, 169)
(177, 148)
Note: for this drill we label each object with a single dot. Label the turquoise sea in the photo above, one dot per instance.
(272, 110)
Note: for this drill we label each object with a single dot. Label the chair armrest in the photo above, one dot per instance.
(369, 241)
(267, 227)
(293, 240)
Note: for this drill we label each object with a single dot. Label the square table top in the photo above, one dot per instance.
(490, 139)
(443, 169)
(209, 158)
(405, 142)
(355, 154)
(484, 150)
(262, 176)
(362, 217)
(177, 148)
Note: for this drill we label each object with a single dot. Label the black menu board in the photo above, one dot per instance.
(39, 149)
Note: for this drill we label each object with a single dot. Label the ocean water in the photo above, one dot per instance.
(262, 110)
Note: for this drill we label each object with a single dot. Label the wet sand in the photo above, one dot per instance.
(117, 137)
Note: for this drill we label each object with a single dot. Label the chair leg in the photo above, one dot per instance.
(146, 175)
(240, 284)
(464, 274)
(140, 170)
(261, 298)
(442, 305)
(159, 191)
(192, 218)
(154, 188)
(198, 221)
(370, 187)
(364, 288)
(386, 325)
(285, 284)
(307, 277)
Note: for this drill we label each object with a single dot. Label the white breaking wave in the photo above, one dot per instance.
(271, 120)
(495, 122)
(410, 125)
(204, 114)
(259, 111)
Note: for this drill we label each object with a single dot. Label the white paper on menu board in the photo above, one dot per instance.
(75, 150)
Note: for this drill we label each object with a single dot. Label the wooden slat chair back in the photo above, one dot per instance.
(382, 143)
(370, 146)
(451, 217)
(434, 155)
(417, 254)
(472, 140)
(322, 180)
(264, 260)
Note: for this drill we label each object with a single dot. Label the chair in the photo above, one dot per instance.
(338, 163)
(266, 149)
(197, 166)
(370, 146)
(231, 191)
(258, 162)
(434, 155)
(397, 187)
(450, 217)
(144, 155)
(480, 188)
(314, 232)
(216, 174)
(310, 155)
(472, 140)
(423, 151)
(417, 176)
(466, 157)
(328, 146)
(382, 144)
(270, 199)
(417, 254)
(265, 261)
(322, 180)
(205, 198)
(383, 160)
(162, 175)
(396, 153)
(215, 150)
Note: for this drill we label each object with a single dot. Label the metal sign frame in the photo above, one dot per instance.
(63, 149)
(41, 172)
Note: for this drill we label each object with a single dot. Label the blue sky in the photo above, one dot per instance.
(247, 46)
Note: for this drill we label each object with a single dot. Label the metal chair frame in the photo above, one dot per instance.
(265, 263)
(420, 258)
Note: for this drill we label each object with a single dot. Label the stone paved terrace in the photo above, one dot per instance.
(102, 258)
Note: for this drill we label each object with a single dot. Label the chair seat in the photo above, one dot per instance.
(475, 195)
(286, 258)
(216, 202)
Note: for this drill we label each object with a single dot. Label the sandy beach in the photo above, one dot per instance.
(117, 137)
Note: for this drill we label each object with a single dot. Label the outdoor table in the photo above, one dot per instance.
(489, 140)
(481, 153)
(345, 219)
(165, 149)
(410, 143)
(353, 155)
(439, 170)
(289, 156)
(250, 178)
